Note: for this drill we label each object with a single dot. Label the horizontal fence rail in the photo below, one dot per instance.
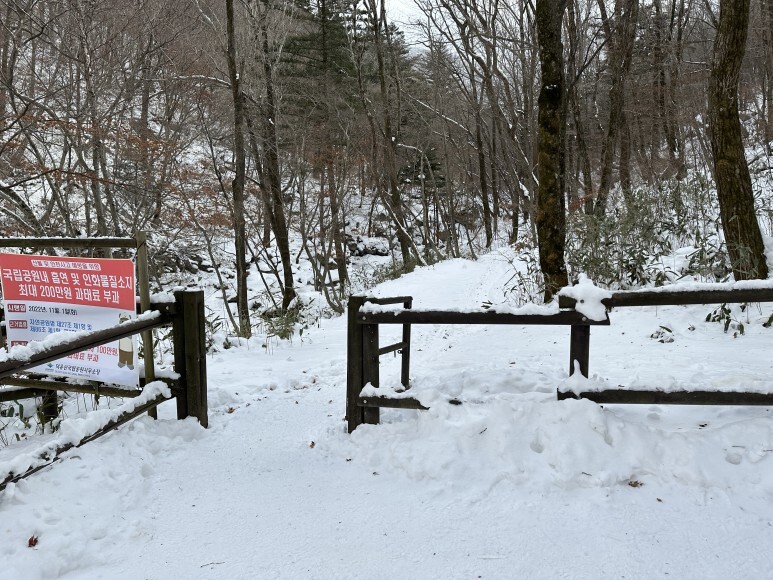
(80, 343)
(31, 385)
(680, 298)
(650, 397)
(562, 318)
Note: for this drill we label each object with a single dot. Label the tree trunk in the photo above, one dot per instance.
(768, 96)
(482, 169)
(240, 241)
(389, 139)
(5, 70)
(268, 162)
(271, 168)
(621, 39)
(339, 242)
(734, 187)
(676, 37)
(583, 157)
(551, 218)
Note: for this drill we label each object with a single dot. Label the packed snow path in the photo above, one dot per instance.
(511, 484)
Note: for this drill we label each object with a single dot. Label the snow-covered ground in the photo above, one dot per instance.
(510, 484)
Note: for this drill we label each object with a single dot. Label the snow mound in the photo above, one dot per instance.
(487, 428)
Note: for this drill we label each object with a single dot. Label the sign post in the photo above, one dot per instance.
(44, 295)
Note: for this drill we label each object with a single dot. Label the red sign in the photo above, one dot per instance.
(85, 281)
(48, 294)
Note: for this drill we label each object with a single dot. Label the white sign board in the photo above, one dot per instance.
(43, 295)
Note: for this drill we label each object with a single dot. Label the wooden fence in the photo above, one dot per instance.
(186, 317)
(363, 348)
(677, 397)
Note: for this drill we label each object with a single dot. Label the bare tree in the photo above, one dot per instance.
(620, 36)
(384, 121)
(265, 140)
(493, 42)
(242, 306)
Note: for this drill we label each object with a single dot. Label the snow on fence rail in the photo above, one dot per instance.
(739, 292)
(367, 313)
(186, 317)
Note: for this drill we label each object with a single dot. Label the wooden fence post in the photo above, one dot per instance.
(178, 340)
(190, 355)
(143, 283)
(406, 352)
(370, 364)
(579, 348)
(354, 378)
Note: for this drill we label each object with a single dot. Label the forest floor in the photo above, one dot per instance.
(510, 484)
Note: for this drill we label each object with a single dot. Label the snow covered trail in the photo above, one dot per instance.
(251, 499)
(511, 484)
(465, 284)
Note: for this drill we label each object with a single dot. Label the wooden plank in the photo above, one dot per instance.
(579, 349)
(178, 342)
(385, 402)
(679, 298)
(201, 367)
(78, 344)
(391, 300)
(650, 298)
(167, 309)
(354, 382)
(370, 368)
(87, 389)
(143, 282)
(405, 367)
(8, 395)
(392, 348)
(653, 397)
(195, 355)
(24, 388)
(567, 317)
(68, 243)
